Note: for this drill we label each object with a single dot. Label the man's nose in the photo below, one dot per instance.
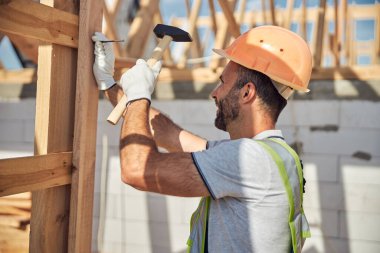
(214, 91)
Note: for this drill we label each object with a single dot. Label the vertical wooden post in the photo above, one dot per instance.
(336, 35)
(289, 13)
(54, 128)
(320, 34)
(192, 30)
(86, 112)
(272, 12)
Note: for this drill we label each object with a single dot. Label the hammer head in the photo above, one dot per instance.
(177, 34)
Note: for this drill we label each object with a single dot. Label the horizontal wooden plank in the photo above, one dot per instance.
(38, 21)
(18, 203)
(371, 72)
(35, 172)
(23, 76)
(205, 75)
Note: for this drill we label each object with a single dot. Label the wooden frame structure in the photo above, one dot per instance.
(55, 34)
(61, 174)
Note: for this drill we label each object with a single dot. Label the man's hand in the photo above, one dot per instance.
(139, 81)
(104, 62)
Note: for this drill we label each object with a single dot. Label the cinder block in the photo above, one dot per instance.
(111, 132)
(207, 132)
(179, 233)
(323, 222)
(322, 168)
(114, 184)
(360, 114)
(104, 109)
(15, 110)
(159, 234)
(114, 230)
(175, 209)
(199, 112)
(131, 208)
(319, 244)
(173, 109)
(362, 226)
(11, 131)
(361, 198)
(139, 248)
(360, 171)
(136, 232)
(29, 126)
(323, 196)
(15, 149)
(310, 113)
(190, 205)
(346, 141)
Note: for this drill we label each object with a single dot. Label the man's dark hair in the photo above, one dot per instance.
(272, 101)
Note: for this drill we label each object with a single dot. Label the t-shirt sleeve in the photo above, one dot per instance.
(236, 168)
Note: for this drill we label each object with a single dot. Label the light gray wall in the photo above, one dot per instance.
(339, 142)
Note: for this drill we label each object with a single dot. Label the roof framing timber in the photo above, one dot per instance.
(38, 21)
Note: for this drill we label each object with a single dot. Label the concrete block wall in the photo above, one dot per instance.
(339, 142)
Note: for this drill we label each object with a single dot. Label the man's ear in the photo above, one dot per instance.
(248, 92)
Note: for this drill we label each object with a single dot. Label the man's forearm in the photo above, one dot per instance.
(136, 140)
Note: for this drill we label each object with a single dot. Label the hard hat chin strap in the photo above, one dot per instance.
(285, 91)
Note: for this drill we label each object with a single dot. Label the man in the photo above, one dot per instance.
(251, 184)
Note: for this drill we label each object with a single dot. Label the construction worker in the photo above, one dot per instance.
(251, 184)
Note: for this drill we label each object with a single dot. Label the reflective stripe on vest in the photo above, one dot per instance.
(293, 182)
(198, 223)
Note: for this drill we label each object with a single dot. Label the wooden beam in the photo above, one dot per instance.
(221, 38)
(212, 15)
(336, 41)
(347, 73)
(24, 76)
(54, 130)
(37, 21)
(272, 12)
(139, 30)
(32, 173)
(192, 30)
(289, 13)
(110, 30)
(86, 112)
(233, 27)
(320, 33)
(207, 75)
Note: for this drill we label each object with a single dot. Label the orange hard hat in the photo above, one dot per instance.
(280, 54)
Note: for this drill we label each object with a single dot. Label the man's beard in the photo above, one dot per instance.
(228, 109)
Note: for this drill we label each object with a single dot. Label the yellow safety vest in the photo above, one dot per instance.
(293, 182)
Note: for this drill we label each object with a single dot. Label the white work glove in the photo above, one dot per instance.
(139, 81)
(103, 67)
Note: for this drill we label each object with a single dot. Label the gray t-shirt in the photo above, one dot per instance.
(249, 208)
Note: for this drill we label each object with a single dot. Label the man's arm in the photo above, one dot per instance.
(144, 168)
(165, 132)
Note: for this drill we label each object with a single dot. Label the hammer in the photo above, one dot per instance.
(167, 34)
